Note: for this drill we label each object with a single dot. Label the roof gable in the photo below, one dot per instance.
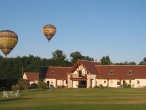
(87, 65)
(32, 76)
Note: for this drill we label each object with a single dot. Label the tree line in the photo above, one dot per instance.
(105, 60)
(13, 68)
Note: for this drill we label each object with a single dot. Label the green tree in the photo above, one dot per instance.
(23, 83)
(59, 59)
(15, 87)
(126, 63)
(87, 58)
(41, 84)
(143, 62)
(10, 83)
(58, 55)
(105, 60)
(75, 56)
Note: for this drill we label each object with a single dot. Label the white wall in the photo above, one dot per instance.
(93, 81)
(51, 81)
(56, 82)
(75, 84)
(142, 83)
(24, 76)
(113, 82)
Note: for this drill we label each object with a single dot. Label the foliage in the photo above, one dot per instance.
(41, 84)
(10, 83)
(125, 85)
(105, 60)
(96, 86)
(126, 63)
(15, 87)
(14, 68)
(77, 55)
(143, 62)
(23, 83)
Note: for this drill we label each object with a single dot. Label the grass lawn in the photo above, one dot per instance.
(77, 99)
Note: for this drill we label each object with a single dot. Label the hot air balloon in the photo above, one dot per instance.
(8, 40)
(49, 31)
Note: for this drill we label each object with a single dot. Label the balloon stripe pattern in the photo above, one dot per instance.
(49, 31)
(8, 40)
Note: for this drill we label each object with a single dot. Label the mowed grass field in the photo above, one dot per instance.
(77, 99)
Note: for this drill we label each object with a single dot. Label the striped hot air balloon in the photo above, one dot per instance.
(8, 40)
(49, 31)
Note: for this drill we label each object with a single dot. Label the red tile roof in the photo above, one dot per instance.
(121, 71)
(55, 72)
(102, 71)
(88, 65)
(32, 76)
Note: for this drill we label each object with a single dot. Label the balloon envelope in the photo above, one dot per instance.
(8, 40)
(49, 31)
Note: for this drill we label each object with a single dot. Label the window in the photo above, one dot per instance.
(52, 73)
(130, 72)
(104, 81)
(138, 82)
(118, 83)
(111, 72)
(129, 81)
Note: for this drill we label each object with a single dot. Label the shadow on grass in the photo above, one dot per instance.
(13, 99)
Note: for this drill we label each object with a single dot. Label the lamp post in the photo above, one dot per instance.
(22, 71)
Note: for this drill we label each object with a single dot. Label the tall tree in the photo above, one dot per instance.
(87, 58)
(59, 55)
(143, 62)
(75, 56)
(105, 60)
(59, 59)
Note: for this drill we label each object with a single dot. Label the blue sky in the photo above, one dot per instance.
(95, 28)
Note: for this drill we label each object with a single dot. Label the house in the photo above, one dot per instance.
(56, 76)
(88, 74)
(116, 75)
(33, 77)
(82, 74)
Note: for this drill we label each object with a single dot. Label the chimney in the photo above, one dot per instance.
(95, 60)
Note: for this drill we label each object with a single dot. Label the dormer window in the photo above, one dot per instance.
(130, 72)
(52, 73)
(111, 72)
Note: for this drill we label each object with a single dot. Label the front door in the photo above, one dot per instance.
(82, 84)
(48, 83)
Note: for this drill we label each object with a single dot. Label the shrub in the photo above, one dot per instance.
(96, 86)
(23, 83)
(15, 87)
(125, 85)
(41, 85)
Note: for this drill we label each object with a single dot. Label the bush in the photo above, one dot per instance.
(126, 85)
(41, 85)
(96, 86)
(15, 87)
(23, 83)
